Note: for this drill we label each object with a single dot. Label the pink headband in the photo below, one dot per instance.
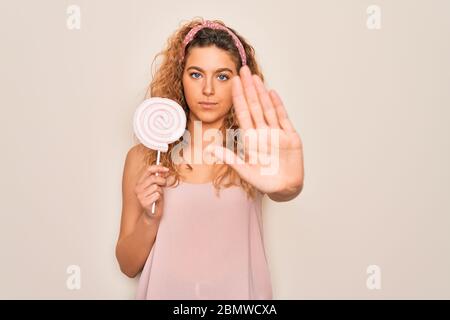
(213, 25)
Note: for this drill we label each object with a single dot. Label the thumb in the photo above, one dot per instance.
(227, 156)
(222, 154)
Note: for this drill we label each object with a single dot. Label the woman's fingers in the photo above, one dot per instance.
(151, 194)
(269, 111)
(283, 118)
(240, 105)
(154, 179)
(153, 169)
(152, 189)
(148, 202)
(251, 96)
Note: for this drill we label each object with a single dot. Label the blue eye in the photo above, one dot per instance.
(224, 76)
(194, 73)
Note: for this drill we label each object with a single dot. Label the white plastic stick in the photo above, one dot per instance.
(157, 162)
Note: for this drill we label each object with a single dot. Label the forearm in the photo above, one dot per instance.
(133, 250)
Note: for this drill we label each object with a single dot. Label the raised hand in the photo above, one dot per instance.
(278, 148)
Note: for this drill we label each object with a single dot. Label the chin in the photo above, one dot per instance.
(209, 119)
(207, 115)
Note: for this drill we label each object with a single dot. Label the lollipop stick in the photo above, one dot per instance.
(157, 162)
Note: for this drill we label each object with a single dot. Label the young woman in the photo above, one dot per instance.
(205, 240)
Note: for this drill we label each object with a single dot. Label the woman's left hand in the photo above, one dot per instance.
(272, 139)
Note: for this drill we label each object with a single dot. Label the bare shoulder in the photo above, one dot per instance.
(135, 159)
(137, 152)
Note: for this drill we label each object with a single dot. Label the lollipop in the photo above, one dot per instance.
(158, 122)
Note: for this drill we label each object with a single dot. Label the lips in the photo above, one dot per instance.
(208, 105)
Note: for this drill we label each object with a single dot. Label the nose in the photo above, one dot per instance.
(208, 87)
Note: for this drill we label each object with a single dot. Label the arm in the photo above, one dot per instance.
(286, 195)
(137, 229)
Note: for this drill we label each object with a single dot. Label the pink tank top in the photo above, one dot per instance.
(207, 247)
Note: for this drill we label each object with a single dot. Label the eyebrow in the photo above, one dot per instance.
(218, 70)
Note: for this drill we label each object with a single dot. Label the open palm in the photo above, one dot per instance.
(272, 152)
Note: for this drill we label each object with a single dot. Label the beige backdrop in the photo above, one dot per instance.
(371, 106)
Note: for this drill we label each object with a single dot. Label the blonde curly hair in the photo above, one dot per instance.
(167, 83)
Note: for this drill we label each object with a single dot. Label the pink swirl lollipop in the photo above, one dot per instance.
(158, 122)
